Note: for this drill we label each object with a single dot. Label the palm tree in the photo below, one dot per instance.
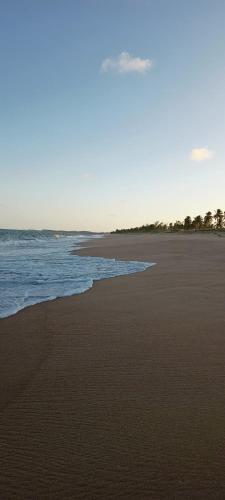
(208, 220)
(197, 222)
(187, 222)
(178, 225)
(219, 218)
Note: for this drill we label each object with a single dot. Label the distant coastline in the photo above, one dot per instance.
(208, 222)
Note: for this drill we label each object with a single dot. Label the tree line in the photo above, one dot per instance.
(208, 222)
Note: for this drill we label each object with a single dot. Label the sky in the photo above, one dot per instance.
(112, 112)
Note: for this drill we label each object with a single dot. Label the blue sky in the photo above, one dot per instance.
(91, 138)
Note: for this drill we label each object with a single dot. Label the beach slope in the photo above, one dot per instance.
(119, 392)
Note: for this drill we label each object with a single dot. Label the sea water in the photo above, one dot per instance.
(36, 266)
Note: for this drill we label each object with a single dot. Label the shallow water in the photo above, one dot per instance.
(36, 266)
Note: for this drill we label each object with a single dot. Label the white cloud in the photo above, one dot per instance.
(201, 154)
(125, 63)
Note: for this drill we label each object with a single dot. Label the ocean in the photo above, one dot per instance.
(36, 266)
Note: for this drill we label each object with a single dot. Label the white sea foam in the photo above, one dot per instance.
(38, 266)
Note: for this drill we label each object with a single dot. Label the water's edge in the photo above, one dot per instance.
(75, 252)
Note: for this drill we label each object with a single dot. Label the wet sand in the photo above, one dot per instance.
(120, 392)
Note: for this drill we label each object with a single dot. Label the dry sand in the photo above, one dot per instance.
(119, 393)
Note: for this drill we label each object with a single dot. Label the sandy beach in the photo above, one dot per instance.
(119, 392)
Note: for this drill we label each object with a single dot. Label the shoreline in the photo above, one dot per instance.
(116, 392)
(77, 251)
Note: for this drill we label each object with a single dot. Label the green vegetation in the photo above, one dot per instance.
(209, 222)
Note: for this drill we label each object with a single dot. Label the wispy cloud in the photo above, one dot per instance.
(125, 63)
(201, 154)
(87, 176)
